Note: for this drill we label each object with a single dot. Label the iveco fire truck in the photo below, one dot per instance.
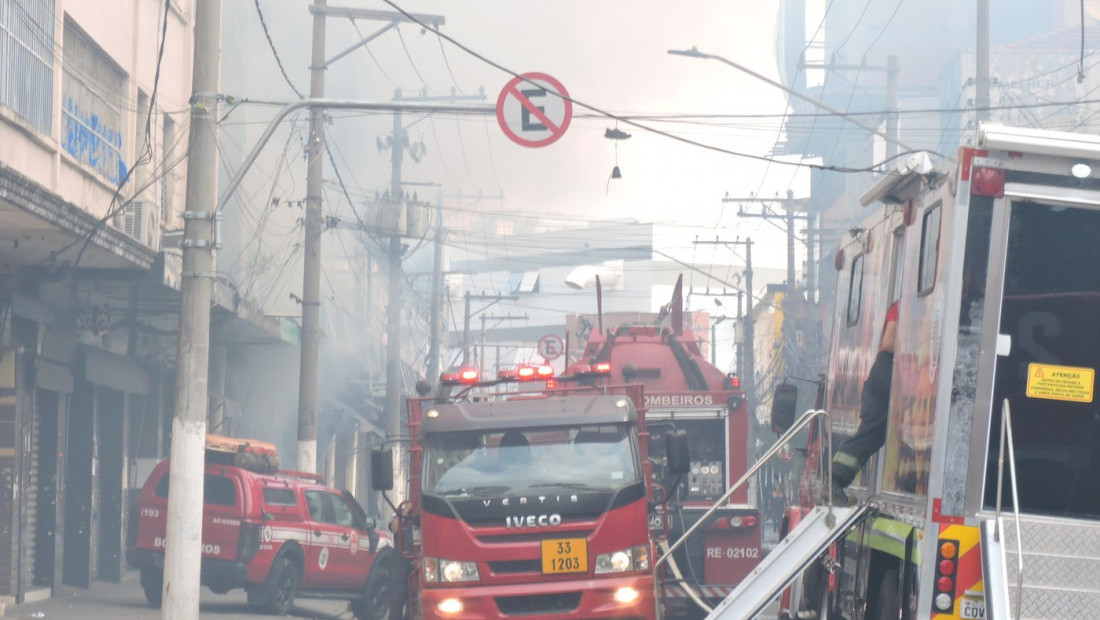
(531, 503)
(985, 500)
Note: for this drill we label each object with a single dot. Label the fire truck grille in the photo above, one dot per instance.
(530, 536)
(538, 604)
(515, 566)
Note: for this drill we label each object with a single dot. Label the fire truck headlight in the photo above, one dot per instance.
(614, 562)
(635, 558)
(453, 572)
(626, 595)
(449, 606)
(437, 570)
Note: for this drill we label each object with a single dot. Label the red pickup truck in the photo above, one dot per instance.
(279, 535)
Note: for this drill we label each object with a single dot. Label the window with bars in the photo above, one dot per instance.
(27, 59)
(92, 95)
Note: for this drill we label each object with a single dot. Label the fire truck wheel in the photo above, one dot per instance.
(152, 581)
(888, 604)
(277, 594)
(375, 602)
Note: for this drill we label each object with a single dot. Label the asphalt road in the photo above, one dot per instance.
(125, 601)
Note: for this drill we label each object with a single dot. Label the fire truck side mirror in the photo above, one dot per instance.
(381, 469)
(784, 405)
(676, 449)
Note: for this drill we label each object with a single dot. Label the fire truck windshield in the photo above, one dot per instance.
(514, 461)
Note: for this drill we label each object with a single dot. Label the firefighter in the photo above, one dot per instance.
(873, 407)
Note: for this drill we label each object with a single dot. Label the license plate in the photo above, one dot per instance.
(972, 609)
(564, 555)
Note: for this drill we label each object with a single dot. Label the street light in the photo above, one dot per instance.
(695, 53)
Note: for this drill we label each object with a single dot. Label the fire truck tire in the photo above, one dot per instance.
(375, 603)
(276, 596)
(152, 582)
(888, 603)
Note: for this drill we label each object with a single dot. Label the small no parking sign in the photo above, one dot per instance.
(551, 347)
(534, 110)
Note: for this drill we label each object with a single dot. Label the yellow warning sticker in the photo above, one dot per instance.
(1060, 382)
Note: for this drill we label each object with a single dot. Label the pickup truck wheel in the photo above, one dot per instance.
(152, 582)
(282, 584)
(375, 603)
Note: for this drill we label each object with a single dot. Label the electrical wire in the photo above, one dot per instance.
(275, 53)
(610, 115)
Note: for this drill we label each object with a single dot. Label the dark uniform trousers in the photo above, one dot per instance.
(874, 403)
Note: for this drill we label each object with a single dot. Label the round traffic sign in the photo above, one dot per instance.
(534, 109)
(551, 347)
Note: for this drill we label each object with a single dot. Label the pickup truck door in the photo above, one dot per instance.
(327, 559)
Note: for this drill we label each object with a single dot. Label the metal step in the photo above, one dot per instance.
(1061, 560)
(820, 528)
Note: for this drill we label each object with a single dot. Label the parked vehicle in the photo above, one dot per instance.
(277, 534)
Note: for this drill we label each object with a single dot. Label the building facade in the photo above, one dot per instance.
(93, 130)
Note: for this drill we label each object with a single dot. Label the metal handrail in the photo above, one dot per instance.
(782, 441)
(1006, 432)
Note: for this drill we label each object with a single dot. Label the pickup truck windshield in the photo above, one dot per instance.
(515, 462)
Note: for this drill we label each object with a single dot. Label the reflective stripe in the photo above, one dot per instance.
(889, 536)
(847, 460)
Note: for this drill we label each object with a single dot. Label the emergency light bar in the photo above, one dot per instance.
(526, 372)
(587, 370)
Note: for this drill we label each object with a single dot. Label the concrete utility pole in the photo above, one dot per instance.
(396, 284)
(183, 548)
(311, 273)
(438, 290)
(311, 269)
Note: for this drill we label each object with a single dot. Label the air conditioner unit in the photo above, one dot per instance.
(141, 221)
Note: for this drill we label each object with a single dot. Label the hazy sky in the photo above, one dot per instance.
(609, 54)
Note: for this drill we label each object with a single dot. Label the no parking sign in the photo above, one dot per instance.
(534, 110)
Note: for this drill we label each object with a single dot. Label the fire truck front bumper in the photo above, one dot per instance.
(618, 597)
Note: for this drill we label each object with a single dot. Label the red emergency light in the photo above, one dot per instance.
(526, 372)
(587, 370)
(465, 376)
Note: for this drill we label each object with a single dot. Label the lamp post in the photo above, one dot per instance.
(694, 53)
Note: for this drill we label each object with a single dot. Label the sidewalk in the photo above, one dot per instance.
(125, 601)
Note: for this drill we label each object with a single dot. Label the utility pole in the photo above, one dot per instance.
(183, 547)
(790, 204)
(396, 285)
(748, 325)
(438, 290)
(492, 299)
(311, 269)
(392, 410)
(311, 273)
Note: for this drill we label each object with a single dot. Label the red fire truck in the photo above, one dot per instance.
(554, 502)
(985, 500)
(685, 392)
